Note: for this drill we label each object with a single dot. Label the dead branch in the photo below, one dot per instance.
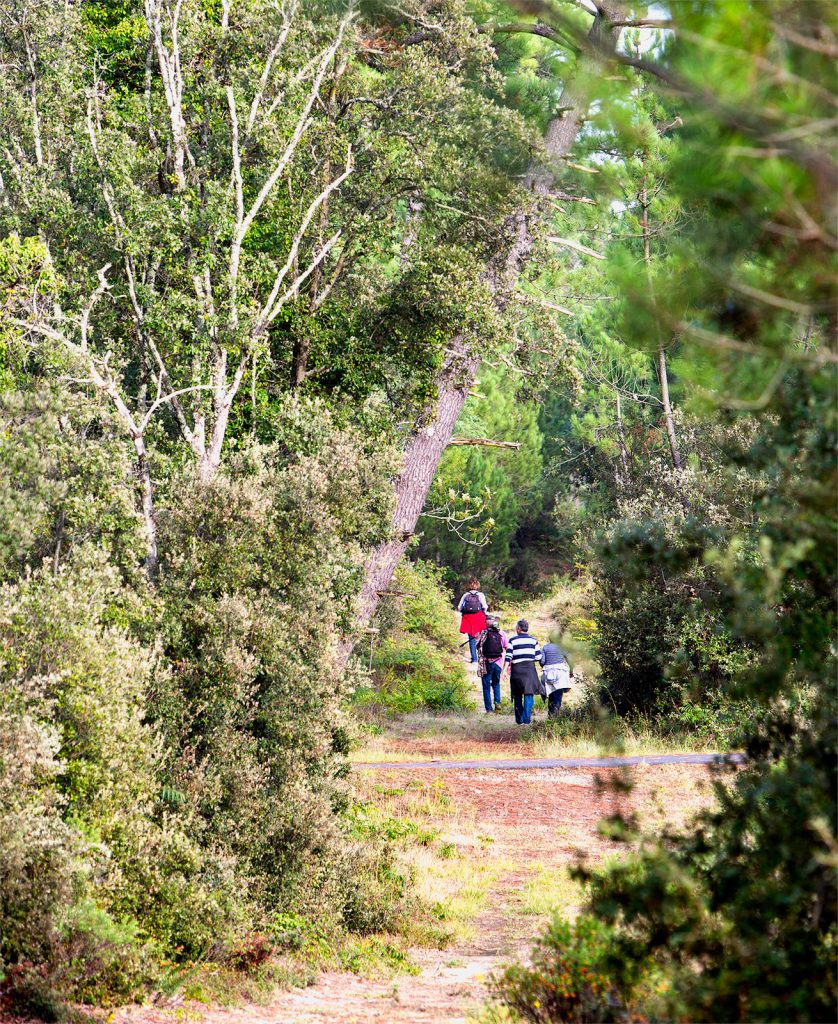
(484, 441)
(287, 17)
(273, 304)
(570, 244)
(303, 121)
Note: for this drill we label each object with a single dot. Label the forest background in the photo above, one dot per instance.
(257, 262)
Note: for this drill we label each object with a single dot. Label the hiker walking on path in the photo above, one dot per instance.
(473, 607)
(521, 654)
(491, 645)
(556, 674)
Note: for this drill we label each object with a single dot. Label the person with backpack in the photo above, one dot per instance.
(522, 652)
(491, 645)
(473, 607)
(556, 674)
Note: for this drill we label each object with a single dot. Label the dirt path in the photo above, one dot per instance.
(530, 824)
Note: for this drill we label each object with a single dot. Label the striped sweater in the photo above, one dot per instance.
(522, 647)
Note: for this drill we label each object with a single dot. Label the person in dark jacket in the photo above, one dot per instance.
(556, 674)
(522, 653)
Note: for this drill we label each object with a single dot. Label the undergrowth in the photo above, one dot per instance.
(416, 662)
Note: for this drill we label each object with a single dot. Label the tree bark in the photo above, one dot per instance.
(435, 430)
(667, 409)
(662, 374)
(421, 458)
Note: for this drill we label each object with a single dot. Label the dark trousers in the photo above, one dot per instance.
(554, 703)
(522, 702)
(472, 646)
(491, 682)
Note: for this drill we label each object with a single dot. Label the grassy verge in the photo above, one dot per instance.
(551, 890)
(449, 859)
(415, 663)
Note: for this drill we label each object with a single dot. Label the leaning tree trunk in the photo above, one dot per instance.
(435, 428)
(421, 458)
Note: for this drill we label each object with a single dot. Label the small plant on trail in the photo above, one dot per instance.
(575, 978)
(253, 951)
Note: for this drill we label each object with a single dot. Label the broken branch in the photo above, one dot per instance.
(486, 441)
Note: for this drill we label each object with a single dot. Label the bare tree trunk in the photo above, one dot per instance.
(662, 374)
(623, 472)
(667, 409)
(299, 360)
(432, 435)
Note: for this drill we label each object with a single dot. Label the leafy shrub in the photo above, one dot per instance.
(740, 914)
(417, 663)
(411, 675)
(40, 870)
(575, 978)
(717, 717)
(252, 605)
(663, 627)
(251, 952)
(377, 893)
(125, 825)
(77, 786)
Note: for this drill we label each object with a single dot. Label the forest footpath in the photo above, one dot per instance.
(492, 860)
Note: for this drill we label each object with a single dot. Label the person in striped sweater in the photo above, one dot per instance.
(522, 652)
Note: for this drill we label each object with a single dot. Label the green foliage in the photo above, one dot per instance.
(510, 479)
(68, 482)
(417, 662)
(576, 977)
(79, 781)
(740, 912)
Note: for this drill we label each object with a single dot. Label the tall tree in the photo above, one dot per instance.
(237, 202)
(435, 426)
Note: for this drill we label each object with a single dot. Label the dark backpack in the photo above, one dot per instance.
(471, 604)
(492, 643)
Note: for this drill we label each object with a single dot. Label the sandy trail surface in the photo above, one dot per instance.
(532, 821)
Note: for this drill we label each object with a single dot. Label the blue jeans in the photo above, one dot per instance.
(472, 646)
(523, 708)
(554, 703)
(491, 681)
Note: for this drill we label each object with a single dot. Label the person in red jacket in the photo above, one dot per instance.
(473, 607)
